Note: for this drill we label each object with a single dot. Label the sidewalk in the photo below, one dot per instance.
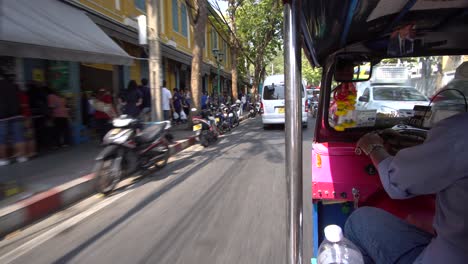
(56, 168)
(56, 180)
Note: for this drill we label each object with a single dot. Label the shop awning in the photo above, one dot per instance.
(52, 30)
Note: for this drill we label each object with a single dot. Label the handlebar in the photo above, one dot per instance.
(400, 136)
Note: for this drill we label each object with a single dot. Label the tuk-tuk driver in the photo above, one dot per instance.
(438, 166)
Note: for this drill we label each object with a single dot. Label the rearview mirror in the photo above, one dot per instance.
(352, 68)
(363, 99)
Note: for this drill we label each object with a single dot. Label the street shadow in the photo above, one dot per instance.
(201, 157)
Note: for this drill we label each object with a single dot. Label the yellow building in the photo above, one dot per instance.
(118, 19)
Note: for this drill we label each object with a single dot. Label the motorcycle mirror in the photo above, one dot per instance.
(194, 109)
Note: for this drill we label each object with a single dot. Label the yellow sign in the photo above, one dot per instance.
(38, 75)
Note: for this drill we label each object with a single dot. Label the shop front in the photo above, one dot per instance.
(52, 46)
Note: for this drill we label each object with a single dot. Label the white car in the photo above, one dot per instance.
(396, 100)
(273, 99)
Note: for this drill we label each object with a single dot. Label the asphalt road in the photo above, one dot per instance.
(223, 204)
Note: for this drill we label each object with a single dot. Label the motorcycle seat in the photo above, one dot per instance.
(151, 133)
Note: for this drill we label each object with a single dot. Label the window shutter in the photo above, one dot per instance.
(183, 16)
(175, 16)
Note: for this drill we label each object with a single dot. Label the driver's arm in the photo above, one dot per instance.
(424, 169)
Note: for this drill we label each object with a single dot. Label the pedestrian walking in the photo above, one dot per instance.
(186, 102)
(177, 105)
(60, 119)
(204, 100)
(104, 112)
(131, 100)
(29, 135)
(11, 122)
(243, 101)
(166, 101)
(146, 103)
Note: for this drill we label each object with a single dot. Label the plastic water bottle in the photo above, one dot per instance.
(336, 249)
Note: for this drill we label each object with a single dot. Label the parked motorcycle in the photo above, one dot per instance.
(128, 150)
(258, 107)
(228, 116)
(234, 112)
(221, 122)
(205, 126)
(252, 110)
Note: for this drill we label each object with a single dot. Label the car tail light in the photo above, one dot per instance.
(307, 105)
(262, 110)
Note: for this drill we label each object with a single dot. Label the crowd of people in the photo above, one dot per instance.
(35, 117)
(31, 116)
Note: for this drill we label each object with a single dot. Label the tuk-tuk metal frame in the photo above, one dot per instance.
(293, 129)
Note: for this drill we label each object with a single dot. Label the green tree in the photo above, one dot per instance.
(227, 23)
(198, 15)
(259, 29)
(310, 74)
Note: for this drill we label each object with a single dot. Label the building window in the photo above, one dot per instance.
(183, 16)
(214, 39)
(175, 16)
(225, 53)
(140, 4)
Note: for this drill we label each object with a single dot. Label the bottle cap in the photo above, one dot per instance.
(333, 233)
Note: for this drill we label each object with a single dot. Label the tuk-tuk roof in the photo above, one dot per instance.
(437, 27)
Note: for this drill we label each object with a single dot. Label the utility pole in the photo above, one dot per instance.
(153, 29)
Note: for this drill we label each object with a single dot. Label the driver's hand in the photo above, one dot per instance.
(365, 142)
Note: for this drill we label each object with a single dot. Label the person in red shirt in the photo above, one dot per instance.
(104, 113)
(29, 135)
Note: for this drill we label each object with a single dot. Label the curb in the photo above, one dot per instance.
(27, 211)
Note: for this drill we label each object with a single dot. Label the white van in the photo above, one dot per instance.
(273, 99)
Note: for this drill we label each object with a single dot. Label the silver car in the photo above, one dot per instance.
(395, 100)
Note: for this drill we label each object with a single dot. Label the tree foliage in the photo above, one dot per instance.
(312, 75)
(259, 28)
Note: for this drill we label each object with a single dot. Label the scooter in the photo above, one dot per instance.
(206, 128)
(258, 107)
(234, 110)
(252, 110)
(128, 150)
(221, 122)
(228, 117)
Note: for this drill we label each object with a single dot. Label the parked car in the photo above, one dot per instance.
(272, 101)
(395, 100)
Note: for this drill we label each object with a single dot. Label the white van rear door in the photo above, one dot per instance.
(273, 99)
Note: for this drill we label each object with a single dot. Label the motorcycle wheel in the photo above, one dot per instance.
(204, 139)
(236, 123)
(105, 178)
(163, 162)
